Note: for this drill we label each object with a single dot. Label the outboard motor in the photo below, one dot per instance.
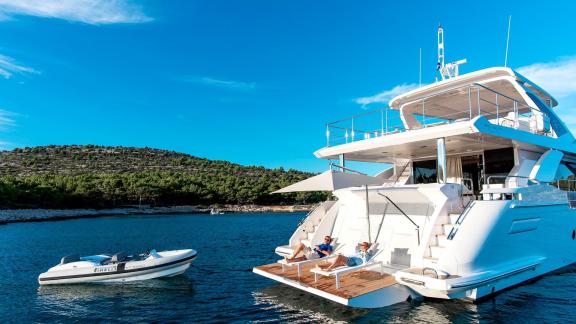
(119, 257)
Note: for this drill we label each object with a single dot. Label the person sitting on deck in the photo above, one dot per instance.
(319, 251)
(363, 256)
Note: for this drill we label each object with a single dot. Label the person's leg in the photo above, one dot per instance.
(299, 248)
(339, 261)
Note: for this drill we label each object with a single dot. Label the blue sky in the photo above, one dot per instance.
(251, 82)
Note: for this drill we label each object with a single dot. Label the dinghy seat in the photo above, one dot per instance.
(70, 258)
(119, 257)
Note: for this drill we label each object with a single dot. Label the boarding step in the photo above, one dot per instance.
(442, 229)
(449, 218)
(431, 259)
(310, 228)
(438, 229)
(454, 218)
(447, 228)
(405, 175)
(436, 251)
(441, 240)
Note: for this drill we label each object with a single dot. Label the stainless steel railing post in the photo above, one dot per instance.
(516, 123)
(497, 111)
(478, 101)
(470, 101)
(423, 114)
(387, 121)
(352, 133)
(382, 121)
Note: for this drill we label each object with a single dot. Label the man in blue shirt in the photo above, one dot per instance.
(319, 251)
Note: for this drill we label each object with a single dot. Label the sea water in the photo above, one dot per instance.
(219, 287)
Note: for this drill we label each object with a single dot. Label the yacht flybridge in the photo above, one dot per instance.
(478, 196)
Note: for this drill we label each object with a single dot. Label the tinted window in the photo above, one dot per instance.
(425, 171)
(500, 161)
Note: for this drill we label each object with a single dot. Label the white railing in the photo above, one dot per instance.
(479, 100)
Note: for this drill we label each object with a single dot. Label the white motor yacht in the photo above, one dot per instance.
(118, 267)
(476, 194)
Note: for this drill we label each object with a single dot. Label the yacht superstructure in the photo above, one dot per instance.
(478, 196)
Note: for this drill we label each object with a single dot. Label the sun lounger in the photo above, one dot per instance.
(285, 264)
(338, 272)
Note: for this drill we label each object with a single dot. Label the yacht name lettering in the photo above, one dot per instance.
(106, 269)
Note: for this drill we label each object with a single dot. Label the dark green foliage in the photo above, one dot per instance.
(95, 176)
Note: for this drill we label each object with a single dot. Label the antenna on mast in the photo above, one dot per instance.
(449, 70)
(507, 41)
(440, 64)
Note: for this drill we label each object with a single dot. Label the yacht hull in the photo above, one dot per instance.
(499, 245)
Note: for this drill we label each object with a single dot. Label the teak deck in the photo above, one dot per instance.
(352, 284)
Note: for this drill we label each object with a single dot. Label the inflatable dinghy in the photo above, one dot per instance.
(118, 267)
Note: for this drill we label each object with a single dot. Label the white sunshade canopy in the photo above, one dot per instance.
(330, 181)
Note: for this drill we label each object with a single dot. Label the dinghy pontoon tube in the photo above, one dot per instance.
(118, 267)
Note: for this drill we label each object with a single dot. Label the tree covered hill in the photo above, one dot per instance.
(76, 176)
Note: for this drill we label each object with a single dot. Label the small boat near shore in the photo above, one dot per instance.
(215, 211)
(119, 267)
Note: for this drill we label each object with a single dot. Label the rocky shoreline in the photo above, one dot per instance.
(40, 215)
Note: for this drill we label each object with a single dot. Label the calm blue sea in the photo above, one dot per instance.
(220, 286)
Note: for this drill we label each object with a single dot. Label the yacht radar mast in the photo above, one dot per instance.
(449, 70)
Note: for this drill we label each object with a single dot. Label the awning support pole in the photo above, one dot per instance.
(368, 216)
(441, 160)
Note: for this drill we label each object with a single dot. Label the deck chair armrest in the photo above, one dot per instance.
(343, 270)
(337, 273)
(321, 272)
(358, 267)
(318, 260)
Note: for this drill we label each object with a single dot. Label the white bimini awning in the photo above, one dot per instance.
(330, 181)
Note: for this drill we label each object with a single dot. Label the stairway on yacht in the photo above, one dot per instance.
(406, 174)
(308, 229)
(440, 240)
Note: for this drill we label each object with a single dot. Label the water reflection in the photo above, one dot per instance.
(297, 306)
(438, 311)
(87, 300)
